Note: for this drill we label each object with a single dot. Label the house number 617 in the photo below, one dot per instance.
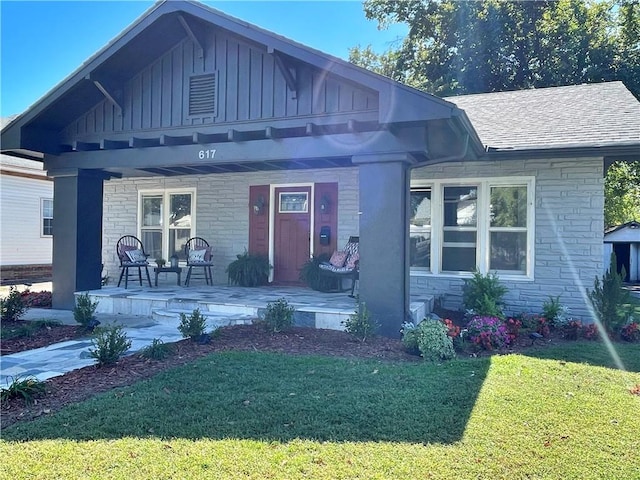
(202, 154)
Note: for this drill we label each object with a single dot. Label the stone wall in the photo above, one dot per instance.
(222, 209)
(569, 216)
(569, 219)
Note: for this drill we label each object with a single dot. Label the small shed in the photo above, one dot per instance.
(624, 241)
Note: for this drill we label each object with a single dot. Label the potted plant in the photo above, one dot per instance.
(249, 270)
(310, 274)
(161, 262)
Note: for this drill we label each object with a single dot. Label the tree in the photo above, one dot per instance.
(456, 47)
(622, 193)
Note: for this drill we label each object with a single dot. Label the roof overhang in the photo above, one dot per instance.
(36, 131)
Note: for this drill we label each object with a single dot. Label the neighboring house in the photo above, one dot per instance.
(192, 122)
(26, 221)
(624, 241)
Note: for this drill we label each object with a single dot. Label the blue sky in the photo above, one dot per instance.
(42, 42)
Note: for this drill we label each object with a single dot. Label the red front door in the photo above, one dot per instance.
(292, 233)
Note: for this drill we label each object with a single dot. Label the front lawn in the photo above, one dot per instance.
(258, 415)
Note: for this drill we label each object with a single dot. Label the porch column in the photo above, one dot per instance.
(384, 243)
(77, 235)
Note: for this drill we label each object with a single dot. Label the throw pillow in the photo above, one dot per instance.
(197, 255)
(136, 256)
(338, 258)
(351, 261)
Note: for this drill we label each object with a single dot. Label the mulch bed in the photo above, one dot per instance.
(84, 383)
(45, 335)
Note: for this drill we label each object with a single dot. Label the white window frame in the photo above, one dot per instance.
(483, 224)
(43, 218)
(166, 196)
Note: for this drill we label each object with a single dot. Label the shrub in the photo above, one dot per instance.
(488, 332)
(433, 340)
(590, 331)
(532, 322)
(452, 330)
(609, 299)
(110, 344)
(571, 331)
(192, 326)
(27, 388)
(84, 311)
(157, 350)
(12, 307)
(279, 315)
(360, 324)
(249, 270)
(410, 338)
(513, 328)
(553, 310)
(630, 332)
(37, 299)
(482, 295)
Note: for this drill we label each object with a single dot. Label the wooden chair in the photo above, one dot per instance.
(131, 254)
(198, 254)
(347, 265)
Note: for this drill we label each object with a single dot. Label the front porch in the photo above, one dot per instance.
(229, 305)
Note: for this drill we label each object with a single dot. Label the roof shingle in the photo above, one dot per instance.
(589, 115)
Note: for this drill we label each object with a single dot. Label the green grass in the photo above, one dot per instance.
(253, 415)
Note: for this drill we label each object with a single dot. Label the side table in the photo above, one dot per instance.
(176, 270)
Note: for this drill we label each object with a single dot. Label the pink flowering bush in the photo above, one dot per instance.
(489, 332)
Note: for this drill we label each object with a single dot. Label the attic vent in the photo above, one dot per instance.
(202, 94)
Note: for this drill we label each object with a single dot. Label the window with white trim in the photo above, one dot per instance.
(166, 220)
(46, 207)
(459, 226)
(420, 228)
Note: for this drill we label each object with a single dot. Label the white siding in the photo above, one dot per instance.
(21, 242)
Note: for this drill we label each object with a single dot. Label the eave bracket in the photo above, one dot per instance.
(286, 72)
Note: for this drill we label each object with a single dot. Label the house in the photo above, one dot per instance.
(624, 241)
(26, 221)
(191, 122)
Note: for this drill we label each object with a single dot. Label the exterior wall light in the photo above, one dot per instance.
(325, 204)
(258, 206)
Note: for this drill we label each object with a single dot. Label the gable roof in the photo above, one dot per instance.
(595, 116)
(631, 225)
(168, 22)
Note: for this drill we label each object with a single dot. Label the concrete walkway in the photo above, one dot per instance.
(59, 358)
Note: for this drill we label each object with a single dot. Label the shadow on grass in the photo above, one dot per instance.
(271, 397)
(594, 353)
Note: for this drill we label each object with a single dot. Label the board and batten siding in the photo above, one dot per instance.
(250, 86)
(569, 219)
(222, 208)
(21, 242)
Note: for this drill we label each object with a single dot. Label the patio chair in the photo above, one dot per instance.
(131, 254)
(344, 264)
(198, 253)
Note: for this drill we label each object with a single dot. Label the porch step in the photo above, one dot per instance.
(213, 319)
(228, 305)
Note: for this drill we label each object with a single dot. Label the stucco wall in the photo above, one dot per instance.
(569, 219)
(222, 210)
